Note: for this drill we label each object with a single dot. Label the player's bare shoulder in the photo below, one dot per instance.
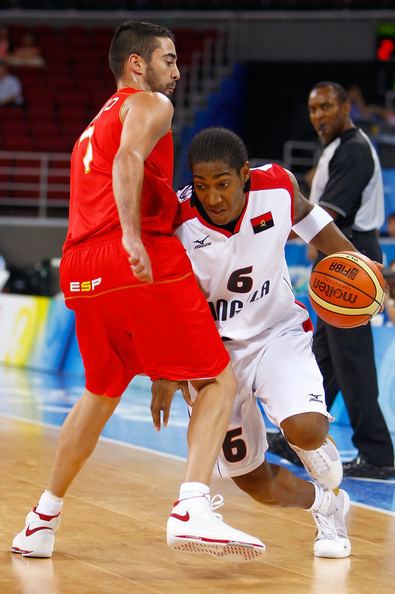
(149, 101)
(291, 177)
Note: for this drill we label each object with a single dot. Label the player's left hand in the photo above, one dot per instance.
(163, 391)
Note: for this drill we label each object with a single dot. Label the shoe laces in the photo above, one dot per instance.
(216, 502)
(326, 527)
(315, 462)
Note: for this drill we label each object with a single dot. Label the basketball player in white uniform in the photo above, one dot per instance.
(234, 224)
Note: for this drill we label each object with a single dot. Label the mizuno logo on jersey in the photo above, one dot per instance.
(262, 222)
(315, 398)
(201, 243)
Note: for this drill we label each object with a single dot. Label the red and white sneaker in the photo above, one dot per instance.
(193, 527)
(37, 539)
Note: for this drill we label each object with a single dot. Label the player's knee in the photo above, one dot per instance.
(306, 430)
(99, 405)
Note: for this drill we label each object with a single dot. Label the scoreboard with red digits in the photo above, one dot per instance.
(385, 42)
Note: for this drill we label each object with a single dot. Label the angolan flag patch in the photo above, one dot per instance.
(263, 222)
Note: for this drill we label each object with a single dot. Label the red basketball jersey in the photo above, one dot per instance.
(93, 211)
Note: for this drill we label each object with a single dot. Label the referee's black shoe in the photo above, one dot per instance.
(360, 467)
(278, 445)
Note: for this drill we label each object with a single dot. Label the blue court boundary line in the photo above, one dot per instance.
(166, 455)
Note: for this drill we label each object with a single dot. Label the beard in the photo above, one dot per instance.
(156, 85)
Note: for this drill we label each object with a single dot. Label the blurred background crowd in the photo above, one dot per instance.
(249, 66)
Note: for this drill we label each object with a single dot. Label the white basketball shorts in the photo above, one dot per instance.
(280, 372)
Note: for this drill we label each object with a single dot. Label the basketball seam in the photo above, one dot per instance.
(345, 310)
(366, 268)
(348, 284)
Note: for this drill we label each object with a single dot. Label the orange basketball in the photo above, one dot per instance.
(346, 289)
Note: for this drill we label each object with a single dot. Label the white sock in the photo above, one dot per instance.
(324, 502)
(188, 490)
(49, 504)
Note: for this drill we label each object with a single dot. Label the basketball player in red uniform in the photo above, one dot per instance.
(135, 298)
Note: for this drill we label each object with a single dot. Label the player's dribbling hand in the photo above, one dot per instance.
(138, 258)
(162, 395)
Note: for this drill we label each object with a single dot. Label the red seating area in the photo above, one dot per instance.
(64, 95)
(61, 98)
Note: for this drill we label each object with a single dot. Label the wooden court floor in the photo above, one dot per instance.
(112, 540)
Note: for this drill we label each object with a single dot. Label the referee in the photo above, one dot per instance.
(348, 184)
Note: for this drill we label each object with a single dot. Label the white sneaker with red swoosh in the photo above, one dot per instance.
(37, 539)
(193, 527)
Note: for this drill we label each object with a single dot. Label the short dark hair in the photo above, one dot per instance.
(134, 37)
(339, 90)
(218, 144)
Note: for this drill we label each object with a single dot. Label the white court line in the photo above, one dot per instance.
(371, 507)
(54, 408)
(148, 419)
(102, 438)
(137, 418)
(173, 456)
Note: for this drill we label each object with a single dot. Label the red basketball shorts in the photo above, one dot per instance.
(124, 327)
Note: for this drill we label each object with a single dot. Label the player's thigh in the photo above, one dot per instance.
(106, 344)
(245, 442)
(288, 381)
(94, 277)
(174, 332)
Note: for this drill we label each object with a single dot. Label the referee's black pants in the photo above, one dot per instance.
(346, 360)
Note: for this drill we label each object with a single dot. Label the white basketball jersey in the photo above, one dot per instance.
(244, 274)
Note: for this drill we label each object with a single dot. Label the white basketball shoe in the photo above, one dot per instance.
(193, 527)
(332, 539)
(323, 464)
(37, 539)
